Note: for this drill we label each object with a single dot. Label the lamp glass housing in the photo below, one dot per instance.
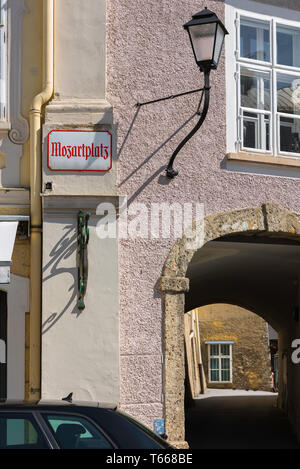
(203, 40)
(207, 41)
(220, 35)
(207, 35)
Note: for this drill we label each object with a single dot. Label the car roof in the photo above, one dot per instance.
(54, 403)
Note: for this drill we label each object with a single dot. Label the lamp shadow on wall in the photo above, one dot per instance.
(162, 179)
(65, 248)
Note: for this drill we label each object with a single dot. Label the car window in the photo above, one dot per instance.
(74, 432)
(143, 433)
(19, 431)
(126, 432)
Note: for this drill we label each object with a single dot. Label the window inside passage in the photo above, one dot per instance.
(220, 363)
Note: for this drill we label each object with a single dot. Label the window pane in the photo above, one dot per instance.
(225, 375)
(225, 349)
(289, 135)
(255, 39)
(214, 363)
(214, 349)
(76, 433)
(256, 131)
(255, 89)
(288, 94)
(225, 363)
(214, 375)
(288, 44)
(17, 432)
(225, 369)
(249, 133)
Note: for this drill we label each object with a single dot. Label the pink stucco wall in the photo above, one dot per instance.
(149, 56)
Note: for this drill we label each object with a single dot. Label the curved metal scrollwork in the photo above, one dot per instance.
(171, 172)
(82, 239)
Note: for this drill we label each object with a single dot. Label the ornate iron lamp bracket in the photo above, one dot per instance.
(171, 172)
(82, 240)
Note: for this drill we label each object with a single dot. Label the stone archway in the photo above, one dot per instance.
(270, 219)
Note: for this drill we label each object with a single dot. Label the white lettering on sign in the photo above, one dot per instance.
(79, 150)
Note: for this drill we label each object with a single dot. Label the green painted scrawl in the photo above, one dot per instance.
(82, 239)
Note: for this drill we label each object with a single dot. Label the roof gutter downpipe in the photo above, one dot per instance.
(33, 368)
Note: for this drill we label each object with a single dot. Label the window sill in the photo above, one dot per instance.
(264, 158)
(219, 382)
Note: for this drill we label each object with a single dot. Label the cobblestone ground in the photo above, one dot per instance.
(236, 420)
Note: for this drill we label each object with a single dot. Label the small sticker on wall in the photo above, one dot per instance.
(159, 426)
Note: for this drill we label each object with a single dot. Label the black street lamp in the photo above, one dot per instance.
(207, 35)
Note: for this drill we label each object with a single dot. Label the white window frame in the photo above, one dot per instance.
(253, 110)
(235, 136)
(219, 357)
(3, 61)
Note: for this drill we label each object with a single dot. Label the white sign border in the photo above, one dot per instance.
(79, 170)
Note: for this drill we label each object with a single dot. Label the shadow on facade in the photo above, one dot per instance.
(64, 249)
(162, 179)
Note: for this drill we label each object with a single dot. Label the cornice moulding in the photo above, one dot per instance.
(69, 106)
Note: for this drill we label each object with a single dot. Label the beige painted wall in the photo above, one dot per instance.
(24, 80)
(32, 71)
(80, 51)
(80, 351)
(194, 364)
(17, 306)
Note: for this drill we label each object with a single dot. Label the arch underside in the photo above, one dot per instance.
(258, 274)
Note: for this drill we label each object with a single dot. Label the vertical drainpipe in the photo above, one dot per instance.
(33, 388)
